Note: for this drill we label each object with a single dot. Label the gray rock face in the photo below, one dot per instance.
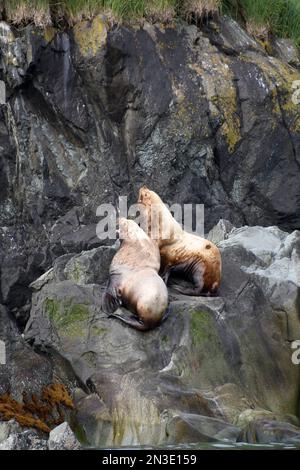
(286, 50)
(13, 437)
(93, 113)
(24, 370)
(63, 438)
(212, 368)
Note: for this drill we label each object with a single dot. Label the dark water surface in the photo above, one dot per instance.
(214, 446)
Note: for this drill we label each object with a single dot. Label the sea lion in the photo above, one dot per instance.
(134, 281)
(182, 254)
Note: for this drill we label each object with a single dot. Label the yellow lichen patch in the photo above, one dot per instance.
(217, 80)
(282, 79)
(49, 33)
(90, 36)
(231, 125)
(265, 43)
(40, 413)
(184, 123)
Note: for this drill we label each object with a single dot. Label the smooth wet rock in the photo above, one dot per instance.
(94, 422)
(247, 416)
(190, 428)
(269, 432)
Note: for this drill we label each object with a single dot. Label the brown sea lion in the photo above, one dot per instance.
(134, 281)
(182, 254)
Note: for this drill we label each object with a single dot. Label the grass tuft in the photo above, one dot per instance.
(163, 11)
(74, 11)
(289, 26)
(22, 12)
(260, 17)
(200, 9)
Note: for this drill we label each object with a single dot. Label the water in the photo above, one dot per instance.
(214, 446)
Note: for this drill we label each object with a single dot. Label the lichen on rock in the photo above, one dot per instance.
(90, 36)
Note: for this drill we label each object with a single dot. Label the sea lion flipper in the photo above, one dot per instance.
(193, 290)
(165, 276)
(131, 321)
(110, 301)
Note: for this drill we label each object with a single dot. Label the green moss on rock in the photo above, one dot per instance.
(202, 327)
(67, 317)
(98, 331)
(207, 349)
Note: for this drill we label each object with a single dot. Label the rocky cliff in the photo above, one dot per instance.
(201, 115)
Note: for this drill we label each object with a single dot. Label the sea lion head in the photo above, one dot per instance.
(152, 307)
(128, 229)
(148, 197)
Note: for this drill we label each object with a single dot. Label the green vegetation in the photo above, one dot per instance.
(260, 17)
(289, 26)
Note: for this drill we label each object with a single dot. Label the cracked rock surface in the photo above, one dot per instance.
(200, 115)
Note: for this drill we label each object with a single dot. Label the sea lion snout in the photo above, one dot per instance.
(142, 194)
(150, 313)
(154, 302)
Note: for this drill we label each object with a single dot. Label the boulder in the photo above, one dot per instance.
(13, 437)
(197, 375)
(286, 50)
(270, 432)
(63, 438)
(24, 370)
